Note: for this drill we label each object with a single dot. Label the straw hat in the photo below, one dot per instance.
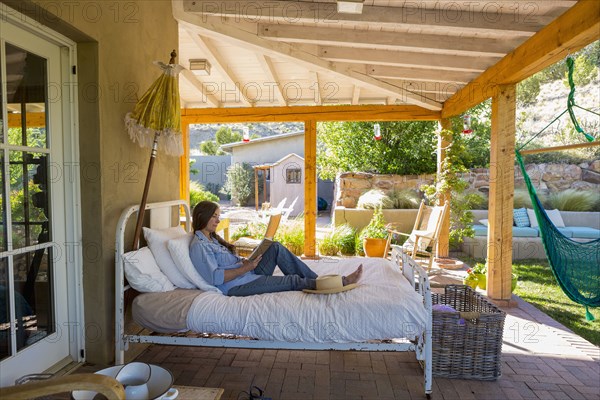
(328, 284)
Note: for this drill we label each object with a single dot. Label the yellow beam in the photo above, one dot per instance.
(502, 185)
(184, 165)
(576, 28)
(34, 120)
(302, 113)
(443, 243)
(310, 188)
(560, 148)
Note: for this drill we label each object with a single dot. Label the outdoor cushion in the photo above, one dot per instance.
(157, 241)
(583, 232)
(179, 248)
(520, 217)
(553, 215)
(480, 230)
(525, 231)
(566, 231)
(143, 274)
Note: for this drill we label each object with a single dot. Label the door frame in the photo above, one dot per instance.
(69, 142)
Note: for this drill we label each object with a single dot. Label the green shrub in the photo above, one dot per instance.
(573, 200)
(328, 246)
(521, 199)
(345, 238)
(374, 198)
(405, 198)
(198, 194)
(291, 235)
(241, 231)
(376, 229)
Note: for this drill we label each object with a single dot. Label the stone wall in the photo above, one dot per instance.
(547, 178)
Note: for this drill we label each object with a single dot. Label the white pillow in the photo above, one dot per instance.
(532, 219)
(180, 252)
(143, 274)
(157, 241)
(554, 216)
(483, 222)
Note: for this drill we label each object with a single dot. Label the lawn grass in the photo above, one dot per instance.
(538, 286)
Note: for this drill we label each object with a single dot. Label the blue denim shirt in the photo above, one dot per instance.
(211, 259)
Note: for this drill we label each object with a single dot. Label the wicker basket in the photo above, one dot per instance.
(466, 345)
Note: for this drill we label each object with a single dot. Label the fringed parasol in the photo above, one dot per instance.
(156, 122)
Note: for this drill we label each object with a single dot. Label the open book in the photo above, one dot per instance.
(261, 248)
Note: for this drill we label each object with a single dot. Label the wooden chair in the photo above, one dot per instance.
(106, 385)
(245, 245)
(421, 242)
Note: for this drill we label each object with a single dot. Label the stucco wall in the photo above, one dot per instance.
(117, 42)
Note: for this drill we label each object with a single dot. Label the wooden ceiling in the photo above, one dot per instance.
(299, 53)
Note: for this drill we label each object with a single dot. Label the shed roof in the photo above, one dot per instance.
(230, 146)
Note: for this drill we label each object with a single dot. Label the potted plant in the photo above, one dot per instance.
(374, 235)
(480, 271)
(471, 280)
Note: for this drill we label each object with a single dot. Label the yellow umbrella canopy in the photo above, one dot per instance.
(156, 122)
(158, 113)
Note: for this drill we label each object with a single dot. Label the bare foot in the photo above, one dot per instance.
(353, 277)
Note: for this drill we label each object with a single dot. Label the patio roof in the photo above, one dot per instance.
(424, 53)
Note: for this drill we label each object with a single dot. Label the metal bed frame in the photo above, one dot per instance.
(411, 271)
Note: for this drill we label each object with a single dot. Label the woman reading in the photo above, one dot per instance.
(216, 261)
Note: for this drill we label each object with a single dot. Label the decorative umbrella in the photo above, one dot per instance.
(156, 120)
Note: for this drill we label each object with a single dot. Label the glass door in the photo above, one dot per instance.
(33, 257)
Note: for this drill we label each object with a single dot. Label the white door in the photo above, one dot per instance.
(34, 308)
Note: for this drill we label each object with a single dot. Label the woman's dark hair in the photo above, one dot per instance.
(202, 213)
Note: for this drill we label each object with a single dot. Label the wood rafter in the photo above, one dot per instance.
(438, 18)
(406, 58)
(576, 28)
(440, 44)
(314, 77)
(268, 68)
(219, 64)
(206, 95)
(303, 113)
(230, 32)
(355, 95)
(387, 72)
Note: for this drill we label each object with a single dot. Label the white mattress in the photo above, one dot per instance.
(383, 306)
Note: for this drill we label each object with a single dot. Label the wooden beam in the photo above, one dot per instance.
(502, 185)
(234, 34)
(437, 18)
(220, 65)
(443, 242)
(355, 95)
(206, 95)
(314, 78)
(269, 70)
(184, 164)
(422, 74)
(310, 188)
(576, 28)
(560, 148)
(301, 113)
(440, 44)
(33, 120)
(440, 62)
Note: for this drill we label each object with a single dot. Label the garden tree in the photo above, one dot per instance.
(223, 136)
(405, 148)
(476, 144)
(239, 183)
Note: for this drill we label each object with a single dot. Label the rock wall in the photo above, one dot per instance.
(547, 178)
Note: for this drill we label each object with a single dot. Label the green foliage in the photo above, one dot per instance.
(573, 200)
(210, 148)
(405, 198)
(476, 152)
(341, 240)
(449, 181)
(223, 136)
(198, 194)
(239, 183)
(405, 148)
(291, 235)
(522, 199)
(376, 229)
(193, 171)
(241, 231)
(374, 198)
(529, 89)
(538, 286)
(584, 71)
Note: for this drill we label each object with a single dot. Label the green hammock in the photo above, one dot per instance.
(575, 265)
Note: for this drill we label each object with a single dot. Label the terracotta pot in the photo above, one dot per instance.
(374, 247)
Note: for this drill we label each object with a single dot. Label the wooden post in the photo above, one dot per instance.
(443, 244)
(256, 188)
(310, 188)
(502, 181)
(184, 163)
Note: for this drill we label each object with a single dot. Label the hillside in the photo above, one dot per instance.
(202, 132)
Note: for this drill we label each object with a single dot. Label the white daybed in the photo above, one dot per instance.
(391, 310)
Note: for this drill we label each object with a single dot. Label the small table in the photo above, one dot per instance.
(198, 393)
